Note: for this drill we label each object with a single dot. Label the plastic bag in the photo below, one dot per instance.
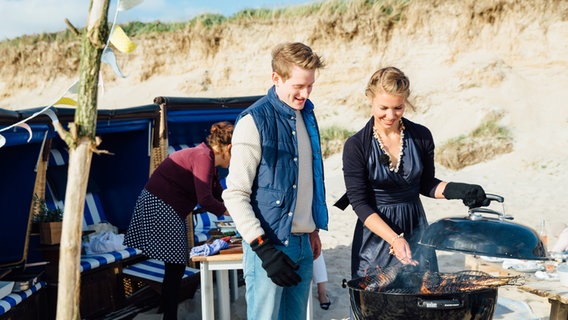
(103, 242)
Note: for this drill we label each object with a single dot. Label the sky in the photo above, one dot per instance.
(20, 17)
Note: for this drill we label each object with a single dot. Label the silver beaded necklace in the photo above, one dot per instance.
(378, 138)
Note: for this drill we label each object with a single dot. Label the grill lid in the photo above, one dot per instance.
(488, 236)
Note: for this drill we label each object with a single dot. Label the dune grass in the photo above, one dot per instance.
(484, 143)
(332, 140)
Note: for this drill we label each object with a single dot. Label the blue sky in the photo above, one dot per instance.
(19, 17)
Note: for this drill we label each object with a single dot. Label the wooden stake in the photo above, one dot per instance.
(81, 141)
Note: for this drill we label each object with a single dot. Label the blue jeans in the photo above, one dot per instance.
(266, 300)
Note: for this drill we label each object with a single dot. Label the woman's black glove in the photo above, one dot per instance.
(279, 267)
(472, 195)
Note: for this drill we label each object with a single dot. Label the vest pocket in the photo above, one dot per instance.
(270, 197)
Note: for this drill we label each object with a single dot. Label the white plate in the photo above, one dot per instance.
(527, 269)
(492, 259)
(542, 275)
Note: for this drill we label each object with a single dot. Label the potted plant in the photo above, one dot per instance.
(49, 221)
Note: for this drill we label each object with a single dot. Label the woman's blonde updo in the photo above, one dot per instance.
(221, 135)
(389, 80)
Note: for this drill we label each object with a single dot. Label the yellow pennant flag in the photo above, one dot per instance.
(67, 101)
(121, 41)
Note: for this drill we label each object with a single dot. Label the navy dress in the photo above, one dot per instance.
(395, 197)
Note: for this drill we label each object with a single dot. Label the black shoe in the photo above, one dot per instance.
(325, 305)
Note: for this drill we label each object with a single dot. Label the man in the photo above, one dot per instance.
(275, 190)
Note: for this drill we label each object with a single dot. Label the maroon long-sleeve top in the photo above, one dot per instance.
(188, 177)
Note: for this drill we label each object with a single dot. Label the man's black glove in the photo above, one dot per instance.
(279, 267)
(472, 195)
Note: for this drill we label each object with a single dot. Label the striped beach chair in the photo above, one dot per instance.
(151, 272)
(14, 299)
(92, 214)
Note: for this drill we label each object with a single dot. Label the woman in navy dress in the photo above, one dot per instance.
(386, 166)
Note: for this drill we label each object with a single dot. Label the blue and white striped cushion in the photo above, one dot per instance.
(92, 261)
(92, 214)
(50, 200)
(13, 299)
(152, 269)
(58, 157)
(203, 223)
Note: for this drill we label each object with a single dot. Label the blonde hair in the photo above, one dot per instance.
(221, 135)
(389, 80)
(289, 54)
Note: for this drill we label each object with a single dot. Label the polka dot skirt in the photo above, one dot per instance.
(157, 230)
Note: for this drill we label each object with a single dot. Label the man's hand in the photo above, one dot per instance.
(315, 242)
(279, 267)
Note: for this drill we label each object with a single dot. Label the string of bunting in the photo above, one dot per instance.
(119, 39)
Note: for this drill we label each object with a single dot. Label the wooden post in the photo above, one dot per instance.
(81, 142)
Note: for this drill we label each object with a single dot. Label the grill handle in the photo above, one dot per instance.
(475, 214)
(440, 304)
(495, 197)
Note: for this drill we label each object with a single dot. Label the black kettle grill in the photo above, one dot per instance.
(482, 232)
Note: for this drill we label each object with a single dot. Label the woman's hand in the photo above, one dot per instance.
(401, 250)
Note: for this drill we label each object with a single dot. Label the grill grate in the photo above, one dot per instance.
(392, 281)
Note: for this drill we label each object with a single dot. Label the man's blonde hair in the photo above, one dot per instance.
(289, 54)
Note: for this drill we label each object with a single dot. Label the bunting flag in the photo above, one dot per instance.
(74, 88)
(51, 115)
(110, 59)
(28, 128)
(66, 100)
(120, 40)
(124, 5)
(101, 83)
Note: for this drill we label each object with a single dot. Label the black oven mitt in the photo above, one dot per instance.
(279, 267)
(342, 203)
(473, 195)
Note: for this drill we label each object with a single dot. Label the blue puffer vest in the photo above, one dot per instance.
(273, 197)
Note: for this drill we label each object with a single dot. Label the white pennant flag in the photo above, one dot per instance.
(110, 59)
(124, 5)
(74, 89)
(101, 83)
(2, 141)
(28, 128)
(51, 115)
